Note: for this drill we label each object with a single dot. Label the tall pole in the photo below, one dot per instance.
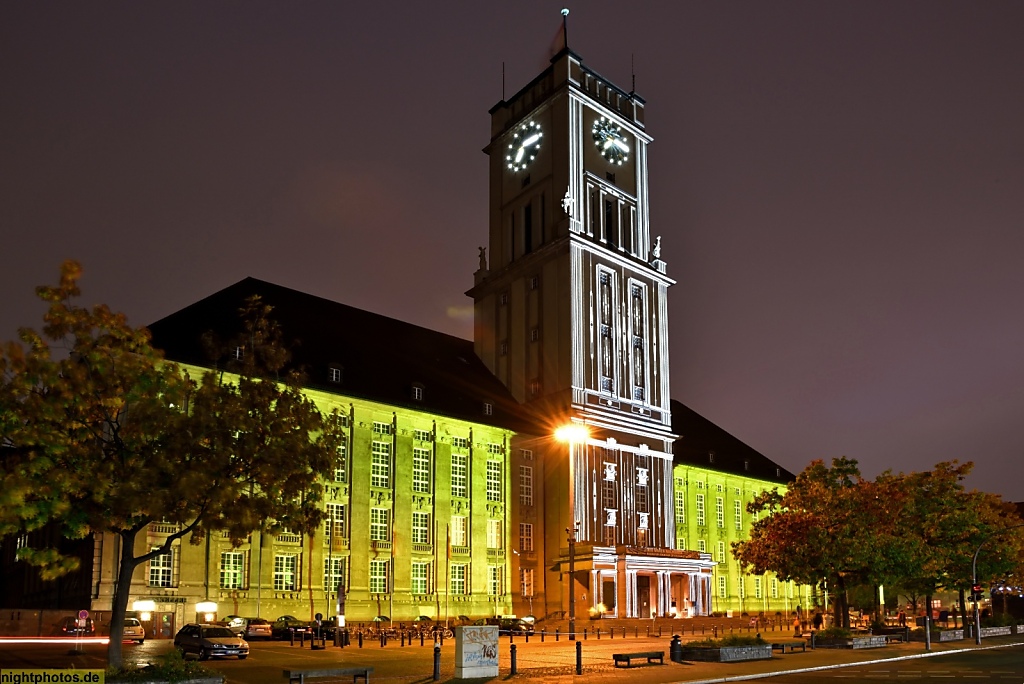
(572, 540)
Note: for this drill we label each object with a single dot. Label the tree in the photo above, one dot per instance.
(106, 436)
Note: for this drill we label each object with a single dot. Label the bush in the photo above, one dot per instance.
(1000, 620)
(173, 667)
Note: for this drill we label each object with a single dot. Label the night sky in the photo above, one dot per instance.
(839, 187)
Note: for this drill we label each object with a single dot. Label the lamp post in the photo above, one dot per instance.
(573, 434)
(974, 581)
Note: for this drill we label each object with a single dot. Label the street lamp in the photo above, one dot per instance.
(974, 581)
(573, 434)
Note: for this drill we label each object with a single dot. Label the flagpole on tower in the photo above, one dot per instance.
(565, 26)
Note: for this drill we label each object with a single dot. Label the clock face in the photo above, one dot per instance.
(611, 141)
(524, 146)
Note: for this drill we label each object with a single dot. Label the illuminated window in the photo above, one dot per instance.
(379, 524)
(720, 511)
(340, 464)
(420, 470)
(420, 527)
(460, 443)
(680, 501)
(757, 587)
(459, 462)
(494, 536)
(160, 569)
(526, 582)
(460, 531)
(737, 514)
(417, 392)
(700, 510)
(525, 485)
(775, 588)
(232, 570)
(458, 579)
(286, 572)
(335, 512)
(380, 464)
(488, 408)
(494, 480)
(494, 580)
(381, 428)
(641, 537)
(334, 374)
(525, 536)
(334, 573)
(420, 573)
(723, 586)
(702, 546)
(721, 552)
(423, 435)
(741, 586)
(378, 577)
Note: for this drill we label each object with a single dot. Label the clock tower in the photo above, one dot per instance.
(571, 315)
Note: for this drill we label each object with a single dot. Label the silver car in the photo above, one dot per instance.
(210, 641)
(133, 630)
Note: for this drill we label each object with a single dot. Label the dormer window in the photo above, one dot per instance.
(503, 298)
(488, 408)
(746, 464)
(534, 282)
(239, 353)
(711, 457)
(417, 392)
(534, 334)
(334, 374)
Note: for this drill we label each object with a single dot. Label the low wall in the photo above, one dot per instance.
(728, 654)
(951, 635)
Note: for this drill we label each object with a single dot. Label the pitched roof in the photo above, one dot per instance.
(699, 438)
(381, 359)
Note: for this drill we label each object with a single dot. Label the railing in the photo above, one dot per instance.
(288, 538)
(423, 548)
(495, 553)
(380, 545)
(163, 528)
(460, 550)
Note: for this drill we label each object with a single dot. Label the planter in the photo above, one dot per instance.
(728, 654)
(951, 635)
(1020, 629)
(995, 631)
(853, 642)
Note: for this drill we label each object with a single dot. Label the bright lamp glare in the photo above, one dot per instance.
(572, 433)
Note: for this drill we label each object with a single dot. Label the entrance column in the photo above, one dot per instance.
(595, 589)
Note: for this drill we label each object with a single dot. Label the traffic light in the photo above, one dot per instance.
(976, 593)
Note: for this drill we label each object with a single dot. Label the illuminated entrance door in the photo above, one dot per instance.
(608, 595)
(643, 596)
(163, 625)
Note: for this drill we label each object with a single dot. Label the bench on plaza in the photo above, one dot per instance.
(628, 657)
(301, 676)
(791, 645)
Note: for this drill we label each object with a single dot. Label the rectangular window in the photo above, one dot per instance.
(232, 570)
(757, 587)
(459, 462)
(460, 531)
(381, 428)
(420, 470)
(160, 569)
(494, 536)
(458, 579)
(742, 587)
(379, 524)
(680, 501)
(526, 454)
(700, 510)
(493, 580)
(702, 546)
(721, 552)
(380, 464)
(608, 494)
(423, 435)
(286, 572)
(723, 586)
(525, 485)
(493, 448)
(336, 512)
(641, 537)
(378, 577)
(526, 582)
(420, 527)
(334, 573)
(720, 511)
(460, 442)
(525, 536)
(737, 514)
(419, 578)
(641, 499)
(340, 465)
(609, 535)
(335, 374)
(494, 480)
(775, 587)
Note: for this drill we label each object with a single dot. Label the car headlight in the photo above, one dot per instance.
(219, 646)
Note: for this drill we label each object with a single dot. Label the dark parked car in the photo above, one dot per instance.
(71, 626)
(511, 625)
(286, 625)
(210, 641)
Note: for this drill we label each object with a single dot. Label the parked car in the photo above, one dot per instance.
(250, 627)
(513, 625)
(284, 626)
(71, 626)
(208, 641)
(133, 630)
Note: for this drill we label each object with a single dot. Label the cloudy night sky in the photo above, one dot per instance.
(839, 187)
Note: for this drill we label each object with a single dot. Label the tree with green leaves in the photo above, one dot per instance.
(99, 434)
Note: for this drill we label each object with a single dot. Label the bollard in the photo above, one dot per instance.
(542, 635)
(584, 633)
(556, 634)
(611, 633)
(291, 637)
(715, 628)
(514, 659)
(623, 632)
(636, 632)
(527, 637)
(579, 658)
(403, 639)
(648, 631)
(421, 637)
(337, 638)
(360, 638)
(437, 663)
(598, 633)
(659, 631)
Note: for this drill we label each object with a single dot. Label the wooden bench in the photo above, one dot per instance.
(791, 645)
(628, 657)
(301, 676)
